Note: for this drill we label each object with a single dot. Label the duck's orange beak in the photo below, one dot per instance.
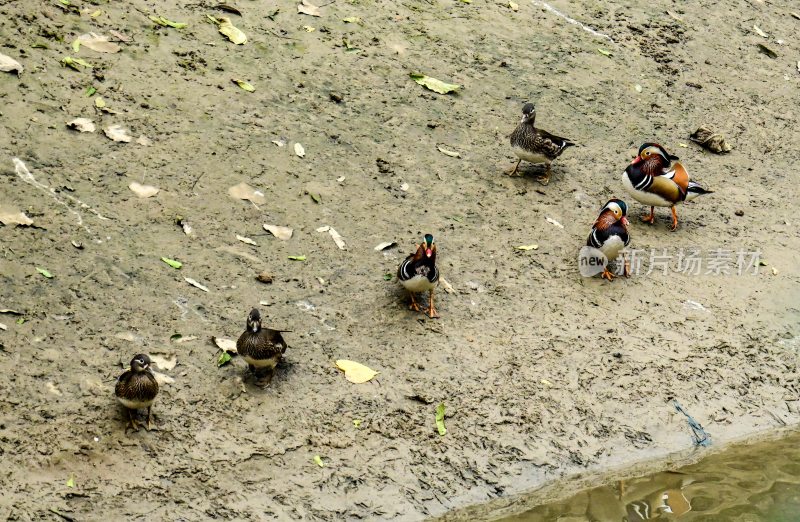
(636, 160)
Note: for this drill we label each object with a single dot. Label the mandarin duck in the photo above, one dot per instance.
(656, 178)
(535, 145)
(137, 388)
(610, 234)
(262, 348)
(418, 273)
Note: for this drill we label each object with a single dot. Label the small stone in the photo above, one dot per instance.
(265, 278)
(338, 98)
(739, 213)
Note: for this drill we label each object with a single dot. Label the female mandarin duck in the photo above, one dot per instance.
(535, 145)
(418, 273)
(610, 234)
(655, 178)
(137, 388)
(262, 348)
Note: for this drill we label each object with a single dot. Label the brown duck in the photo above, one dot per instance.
(137, 388)
(535, 145)
(262, 348)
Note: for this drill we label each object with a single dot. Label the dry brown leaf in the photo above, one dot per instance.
(98, 43)
(82, 125)
(11, 216)
(143, 191)
(246, 240)
(164, 363)
(117, 133)
(245, 191)
(8, 64)
(307, 8)
(226, 345)
(280, 232)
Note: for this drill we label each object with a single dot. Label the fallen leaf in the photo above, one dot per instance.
(355, 372)
(162, 379)
(160, 20)
(337, 238)
(82, 125)
(440, 419)
(307, 8)
(297, 258)
(171, 262)
(796, 15)
(95, 14)
(75, 63)
(774, 271)
(604, 52)
(318, 461)
(165, 363)
(554, 222)
(44, 272)
(179, 339)
(223, 359)
(233, 33)
(434, 84)
(51, 387)
(280, 143)
(759, 32)
(675, 17)
(99, 102)
(447, 286)
(299, 150)
(3, 327)
(513, 6)
(766, 50)
(143, 191)
(12, 216)
(246, 240)
(404, 187)
(315, 197)
(357, 422)
(244, 85)
(385, 245)
(9, 311)
(527, 247)
(547, 383)
(196, 284)
(229, 9)
(446, 152)
(90, 91)
(121, 37)
(224, 344)
(245, 191)
(98, 43)
(144, 141)
(71, 481)
(387, 277)
(117, 133)
(8, 64)
(308, 29)
(284, 233)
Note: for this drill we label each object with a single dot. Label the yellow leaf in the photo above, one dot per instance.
(355, 372)
(234, 34)
(527, 247)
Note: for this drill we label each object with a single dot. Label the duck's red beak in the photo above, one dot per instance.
(428, 252)
(636, 160)
(624, 221)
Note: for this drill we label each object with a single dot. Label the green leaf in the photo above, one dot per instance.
(604, 52)
(315, 197)
(21, 320)
(76, 45)
(244, 85)
(172, 262)
(160, 20)
(75, 63)
(71, 481)
(224, 358)
(319, 462)
(434, 84)
(65, 2)
(44, 272)
(90, 91)
(297, 258)
(175, 337)
(440, 419)
(39, 46)
(387, 277)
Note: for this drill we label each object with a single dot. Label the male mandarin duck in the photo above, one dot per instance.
(535, 145)
(656, 178)
(418, 273)
(610, 233)
(262, 348)
(137, 388)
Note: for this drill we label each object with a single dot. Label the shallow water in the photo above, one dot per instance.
(758, 482)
